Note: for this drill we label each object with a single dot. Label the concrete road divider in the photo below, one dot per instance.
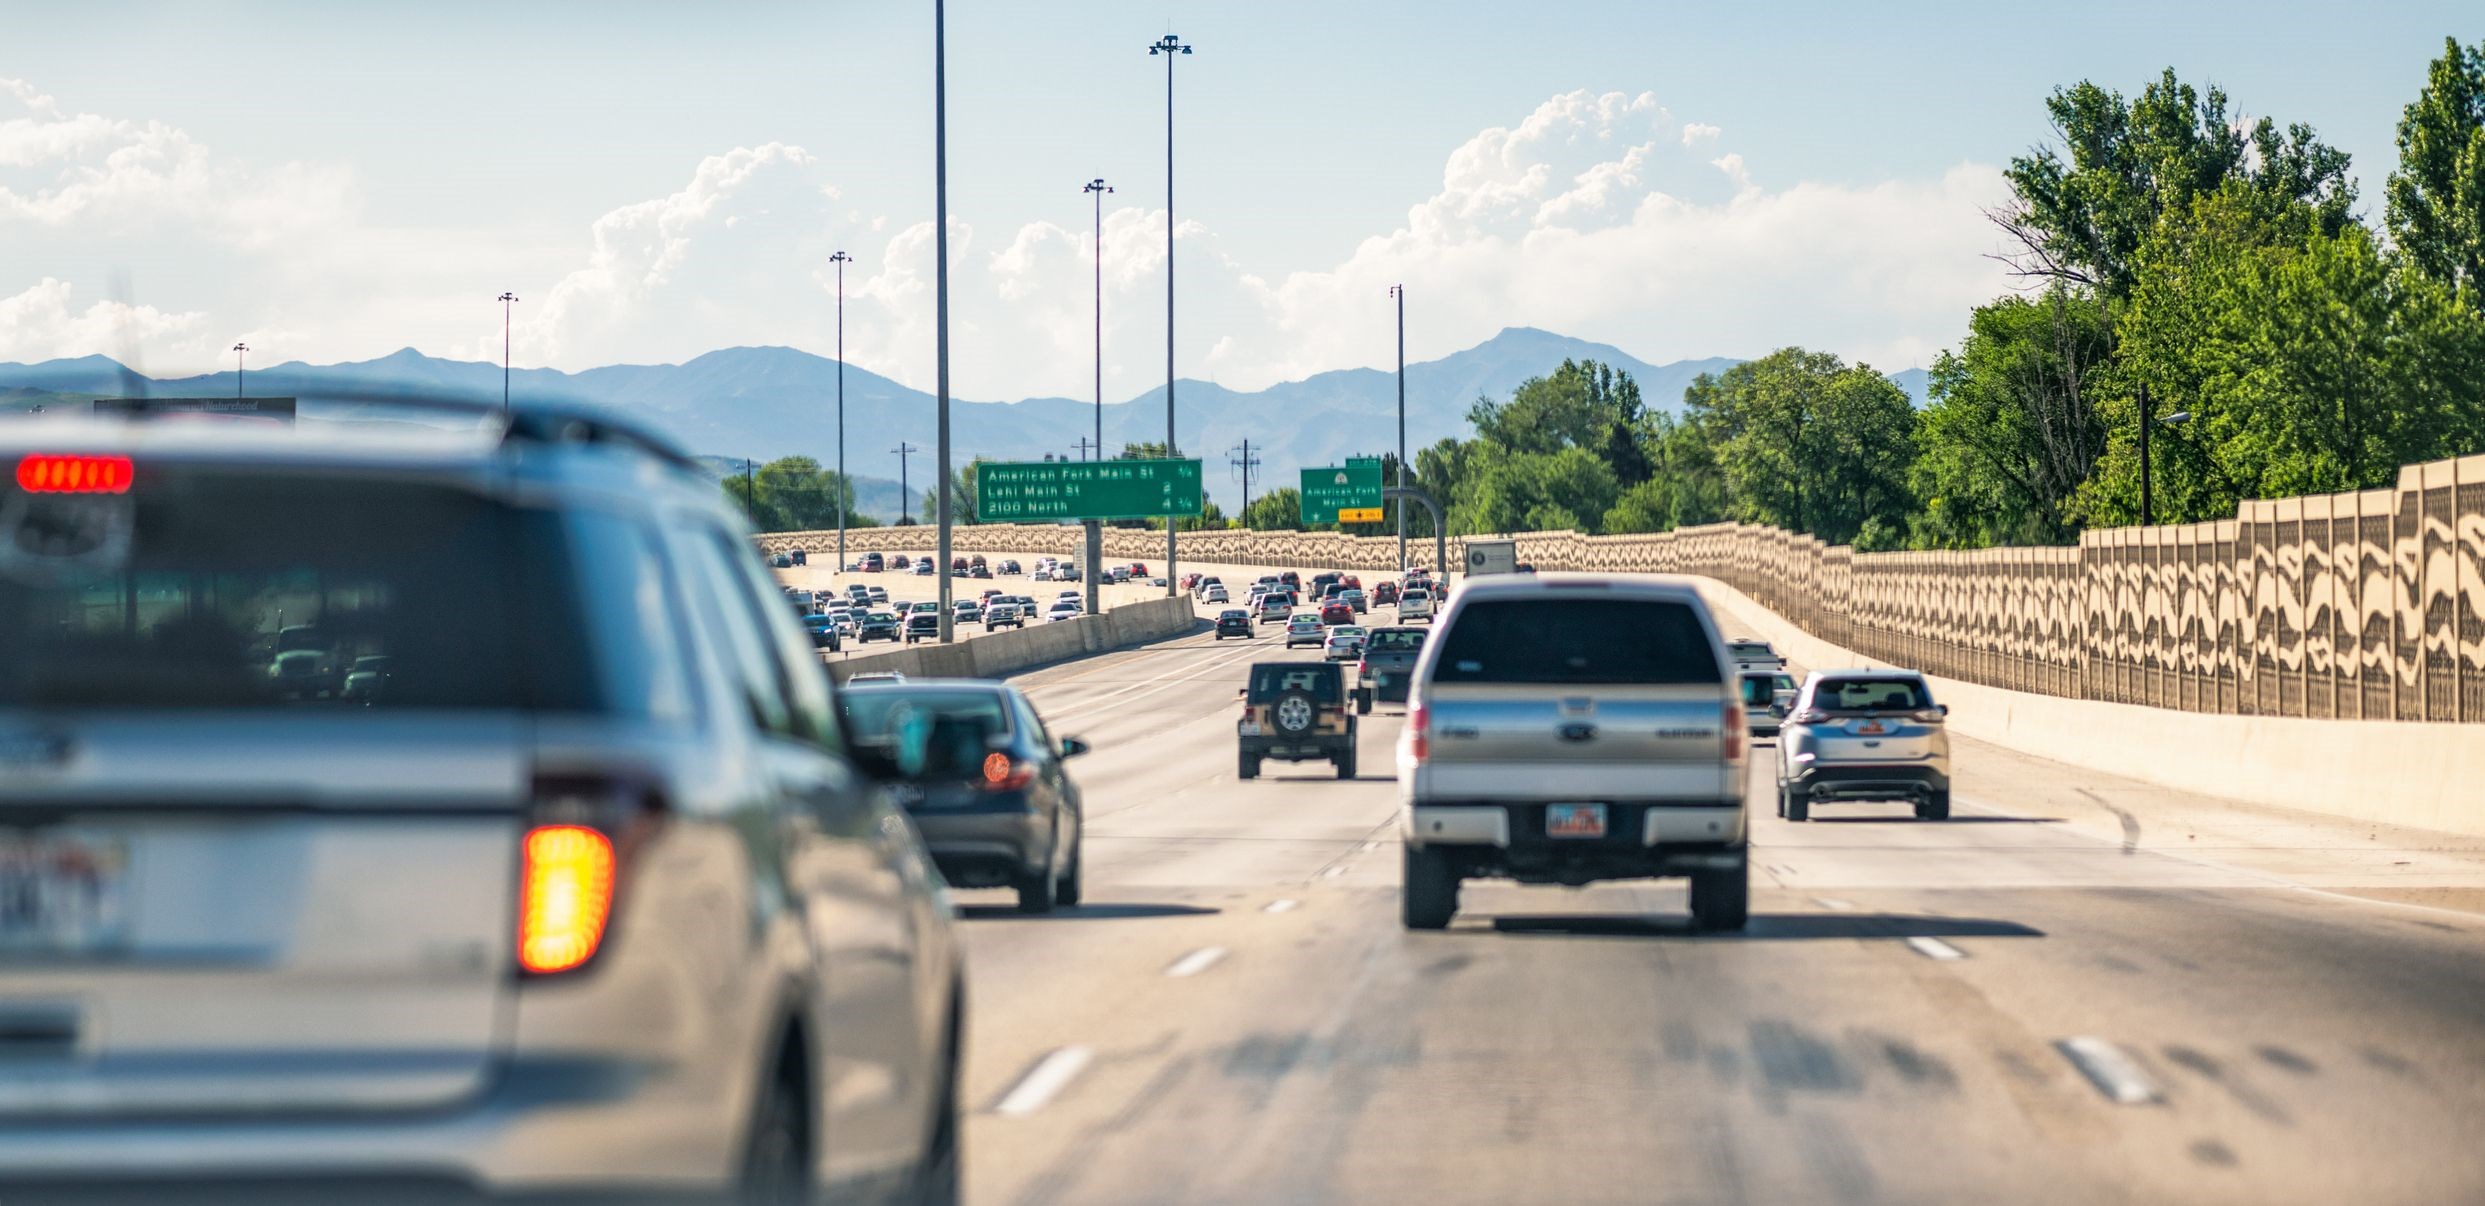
(995, 654)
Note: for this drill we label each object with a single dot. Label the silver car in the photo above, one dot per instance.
(1854, 735)
(584, 896)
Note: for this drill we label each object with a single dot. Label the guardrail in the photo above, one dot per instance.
(2366, 605)
(997, 653)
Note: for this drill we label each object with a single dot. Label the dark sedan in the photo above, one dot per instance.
(1233, 621)
(991, 799)
(876, 626)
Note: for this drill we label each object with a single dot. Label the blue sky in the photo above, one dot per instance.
(336, 181)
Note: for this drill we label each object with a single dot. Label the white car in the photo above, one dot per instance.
(1214, 592)
(1345, 644)
(1062, 611)
(1415, 605)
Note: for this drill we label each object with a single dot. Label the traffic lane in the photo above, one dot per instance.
(906, 588)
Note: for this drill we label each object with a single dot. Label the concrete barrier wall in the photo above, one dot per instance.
(998, 653)
(2366, 606)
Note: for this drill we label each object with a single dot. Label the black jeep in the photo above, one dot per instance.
(1297, 712)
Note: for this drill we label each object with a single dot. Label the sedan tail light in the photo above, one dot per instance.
(1002, 773)
(572, 863)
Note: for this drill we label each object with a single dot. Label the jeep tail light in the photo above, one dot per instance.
(1001, 773)
(572, 865)
(1735, 734)
(49, 473)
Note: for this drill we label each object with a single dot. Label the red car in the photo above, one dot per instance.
(1190, 582)
(1352, 581)
(1384, 593)
(1138, 569)
(1333, 613)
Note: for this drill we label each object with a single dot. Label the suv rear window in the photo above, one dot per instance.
(255, 590)
(1576, 641)
(1322, 680)
(1869, 695)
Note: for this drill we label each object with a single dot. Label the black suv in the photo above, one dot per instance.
(1296, 712)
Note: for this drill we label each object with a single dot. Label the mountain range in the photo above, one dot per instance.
(767, 402)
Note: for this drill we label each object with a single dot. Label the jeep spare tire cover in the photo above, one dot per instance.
(1295, 713)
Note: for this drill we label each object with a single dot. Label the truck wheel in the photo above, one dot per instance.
(1721, 900)
(1038, 893)
(1363, 702)
(1798, 804)
(1781, 800)
(1345, 764)
(1934, 807)
(1249, 768)
(1430, 896)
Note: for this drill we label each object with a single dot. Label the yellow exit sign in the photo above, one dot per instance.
(1358, 514)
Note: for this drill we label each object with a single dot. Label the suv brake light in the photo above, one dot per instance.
(571, 861)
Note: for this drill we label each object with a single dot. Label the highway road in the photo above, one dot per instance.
(2081, 989)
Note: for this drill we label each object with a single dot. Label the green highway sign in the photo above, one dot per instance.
(1354, 488)
(1035, 491)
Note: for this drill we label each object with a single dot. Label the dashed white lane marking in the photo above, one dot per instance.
(1367, 847)
(1044, 1081)
(1196, 962)
(1334, 872)
(2113, 1072)
(1935, 948)
(1839, 905)
(1280, 906)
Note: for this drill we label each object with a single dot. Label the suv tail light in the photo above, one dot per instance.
(1418, 733)
(572, 863)
(1733, 729)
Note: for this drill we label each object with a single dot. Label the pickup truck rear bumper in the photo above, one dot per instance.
(1640, 840)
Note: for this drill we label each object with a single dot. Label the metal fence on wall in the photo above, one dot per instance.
(2367, 605)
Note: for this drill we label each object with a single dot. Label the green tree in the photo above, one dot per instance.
(1684, 486)
(2436, 200)
(794, 495)
(1278, 510)
(1537, 492)
(1807, 443)
(961, 496)
(2012, 429)
(2083, 220)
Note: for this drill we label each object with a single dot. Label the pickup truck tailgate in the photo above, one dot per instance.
(1620, 743)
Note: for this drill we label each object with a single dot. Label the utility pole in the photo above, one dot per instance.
(1099, 188)
(1399, 292)
(1169, 46)
(750, 491)
(904, 450)
(1245, 462)
(940, 292)
(506, 300)
(1086, 446)
(2147, 504)
(841, 259)
(241, 350)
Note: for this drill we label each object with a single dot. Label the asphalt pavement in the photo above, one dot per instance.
(2079, 989)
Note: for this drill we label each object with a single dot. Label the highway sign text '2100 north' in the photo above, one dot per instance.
(1034, 491)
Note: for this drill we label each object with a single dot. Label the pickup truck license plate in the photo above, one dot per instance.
(61, 893)
(1574, 820)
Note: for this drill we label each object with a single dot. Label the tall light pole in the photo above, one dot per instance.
(240, 350)
(506, 300)
(1399, 292)
(841, 259)
(1099, 188)
(1169, 46)
(940, 293)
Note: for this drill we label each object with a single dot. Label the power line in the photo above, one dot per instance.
(1244, 463)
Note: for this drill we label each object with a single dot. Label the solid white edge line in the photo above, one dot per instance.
(1044, 1081)
(2113, 1072)
(1935, 948)
(1196, 962)
(1839, 905)
(1280, 906)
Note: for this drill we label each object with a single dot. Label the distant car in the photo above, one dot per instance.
(1138, 569)
(1388, 666)
(823, 631)
(368, 678)
(1864, 735)
(1214, 592)
(878, 594)
(1336, 612)
(1234, 621)
(1065, 573)
(1415, 605)
(991, 801)
(1752, 653)
(922, 626)
(873, 563)
(1010, 567)
(782, 561)
(1384, 593)
(967, 612)
(976, 560)
(1344, 644)
(899, 562)
(1276, 608)
(1296, 712)
(1041, 574)
(1119, 573)
(979, 571)
(1305, 629)
(1064, 610)
(1003, 615)
(877, 626)
(1760, 714)
(957, 565)
(924, 567)
(1293, 581)
(1354, 598)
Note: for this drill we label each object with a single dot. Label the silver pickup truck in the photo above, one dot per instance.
(1564, 730)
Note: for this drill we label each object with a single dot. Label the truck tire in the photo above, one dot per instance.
(1798, 805)
(1363, 702)
(1345, 764)
(1430, 895)
(1249, 767)
(1721, 899)
(1934, 807)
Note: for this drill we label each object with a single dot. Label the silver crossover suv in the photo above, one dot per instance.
(584, 895)
(1864, 735)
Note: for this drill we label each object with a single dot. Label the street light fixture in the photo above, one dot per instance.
(1099, 188)
(841, 259)
(2148, 497)
(240, 350)
(1169, 46)
(506, 300)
